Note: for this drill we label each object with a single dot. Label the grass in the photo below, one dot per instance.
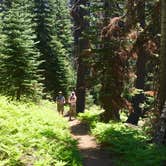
(35, 135)
(130, 146)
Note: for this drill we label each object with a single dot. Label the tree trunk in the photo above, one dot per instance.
(130, 14)
(110, 115)
(162, 93)
(81, 44)
(81, 76)
(108, 77)
(140, 83)
(160, 135)
(140, 66)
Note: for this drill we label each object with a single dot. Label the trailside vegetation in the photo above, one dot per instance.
(130, 145)
(29, 135)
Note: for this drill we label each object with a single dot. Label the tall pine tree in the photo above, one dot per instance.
(19, 64)
(56, 67)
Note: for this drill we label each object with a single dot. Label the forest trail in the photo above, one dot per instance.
(91, 152)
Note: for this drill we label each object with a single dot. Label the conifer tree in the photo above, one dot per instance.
(62, 23)
(52, 49)
(60, 67)
(19, 63)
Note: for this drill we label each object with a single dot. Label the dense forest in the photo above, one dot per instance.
(111, 53)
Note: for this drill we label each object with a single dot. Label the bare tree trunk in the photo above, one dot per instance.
(81, 44)
(140, 66)
(130, 14)
(106, 93)
(160, 136)
(140, 84)
(163, 56)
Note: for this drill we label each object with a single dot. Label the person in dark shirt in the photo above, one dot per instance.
(60, 100)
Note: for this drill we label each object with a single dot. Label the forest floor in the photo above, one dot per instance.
(92, 153)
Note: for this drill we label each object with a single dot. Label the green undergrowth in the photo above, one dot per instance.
(129, 145)
(91, 116)
(36, 135)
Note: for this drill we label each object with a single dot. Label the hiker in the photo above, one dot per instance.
(60, 99)
(72, 101)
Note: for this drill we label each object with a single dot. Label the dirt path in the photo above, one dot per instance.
(91, 152)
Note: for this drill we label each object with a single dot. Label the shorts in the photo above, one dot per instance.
(60, 107)
(72, 110)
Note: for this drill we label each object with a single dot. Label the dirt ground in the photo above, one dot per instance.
(91, 152)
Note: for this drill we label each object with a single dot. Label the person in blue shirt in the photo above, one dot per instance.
(60, 100)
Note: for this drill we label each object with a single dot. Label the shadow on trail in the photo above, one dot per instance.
(95, 157)
(80, 129)
(92, 154)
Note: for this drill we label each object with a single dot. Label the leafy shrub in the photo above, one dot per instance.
(91, 116)
(130, 145)
(89, 100)
(34, 135)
